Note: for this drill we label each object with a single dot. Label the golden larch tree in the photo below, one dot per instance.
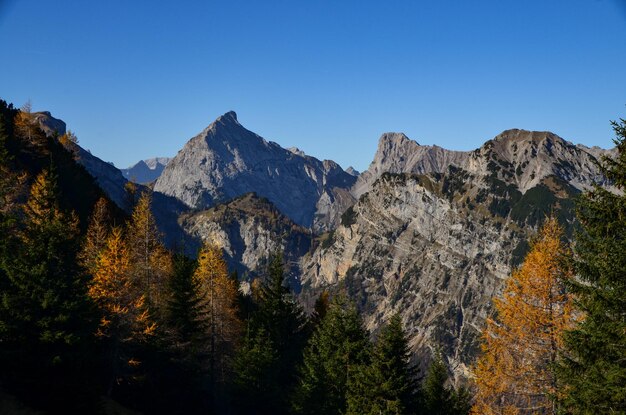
(97, 234)
(70, 142)
(219, 310)
(151, 262)
(27, 128)
(125, 319)
(25, 123)
(514, 374)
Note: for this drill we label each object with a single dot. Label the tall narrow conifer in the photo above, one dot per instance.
(593, 368)
(151, 263)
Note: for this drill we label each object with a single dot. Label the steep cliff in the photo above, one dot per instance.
(435, 248)
(249, 229)
(226, 160)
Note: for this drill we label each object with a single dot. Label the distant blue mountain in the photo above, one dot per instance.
(146, 171)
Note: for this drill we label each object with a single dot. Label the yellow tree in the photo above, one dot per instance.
(514, 374)
(151, 262)
(125, 318)
(26, 126)
(219, 311)
(96, 237)
(70, 142)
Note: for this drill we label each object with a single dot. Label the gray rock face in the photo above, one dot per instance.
(598, 152)
(249, 229)
(146, 171)
(225, 161)
(516, 156)
(48, 124)
(524, 158)
(435, 248)
(352, 171)
(109, 178)
(398, 154)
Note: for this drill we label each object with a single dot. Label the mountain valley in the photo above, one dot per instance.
(429, 233)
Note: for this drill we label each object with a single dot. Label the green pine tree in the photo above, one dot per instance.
(8, 217)
(593, 369)
(279, 313)
(334, 355)
(275, 338)
(255, 382)
(439, 399)
(46, 317)
(387, 385)
(185, 321)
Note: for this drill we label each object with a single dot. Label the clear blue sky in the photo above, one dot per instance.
(137, 79)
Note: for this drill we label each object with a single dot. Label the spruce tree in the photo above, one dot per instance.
(278, 328)
(184, 307)
(336, 353)
(439, 399)
(8, 214)
(255, 382)
(593, 369)
(45, 314)
(387, 385)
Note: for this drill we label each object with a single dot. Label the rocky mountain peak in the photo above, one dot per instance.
(226, 160)
(228, 118)
(146, 171)
(392, 139)
(297, 151)
(109, 178)
(48, 124)
(397, 153)
(516, 134)
(523, 158)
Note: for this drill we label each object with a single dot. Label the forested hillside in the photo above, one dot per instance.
(97, 315)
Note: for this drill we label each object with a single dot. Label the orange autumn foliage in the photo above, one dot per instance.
(151, 263)
(124, 312)
(25, 125)
(96, 237)
(514, 374)
(219, 298)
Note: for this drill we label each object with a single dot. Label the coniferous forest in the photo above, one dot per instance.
(97, 315)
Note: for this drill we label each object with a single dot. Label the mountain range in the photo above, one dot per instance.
(425, 232)
(146, 171)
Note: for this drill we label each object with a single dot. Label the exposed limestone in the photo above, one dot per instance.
(434, 248)
(397, 153)
(225, 161)
(249, 229)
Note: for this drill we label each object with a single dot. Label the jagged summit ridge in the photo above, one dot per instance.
(226, 160)
(524, 158)
(230, 116)
(146, 171)
(397, 153)
(516, 156)
(109, 178)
